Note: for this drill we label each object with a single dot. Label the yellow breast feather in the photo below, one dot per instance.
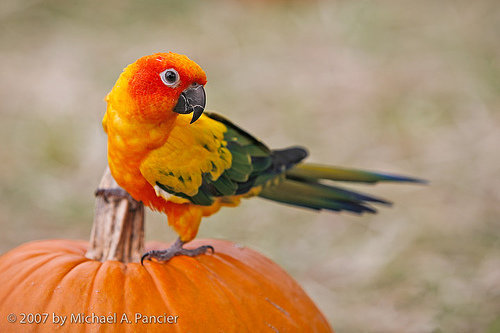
(191, 151)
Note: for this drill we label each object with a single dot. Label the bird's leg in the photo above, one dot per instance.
(175, 249)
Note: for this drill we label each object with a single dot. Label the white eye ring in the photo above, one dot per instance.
(170, 77)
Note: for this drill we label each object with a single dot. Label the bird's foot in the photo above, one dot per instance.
(116, 192)
(175, 250)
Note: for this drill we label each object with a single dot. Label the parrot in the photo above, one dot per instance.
(165, 151)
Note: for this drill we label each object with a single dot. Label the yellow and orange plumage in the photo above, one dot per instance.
(189, 167)
(145, 139)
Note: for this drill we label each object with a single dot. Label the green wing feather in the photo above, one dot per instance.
(283, 180)
(250, 158)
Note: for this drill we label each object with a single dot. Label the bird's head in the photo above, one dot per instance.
(159, 87)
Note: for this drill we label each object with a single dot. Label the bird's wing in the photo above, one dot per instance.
(210, 158)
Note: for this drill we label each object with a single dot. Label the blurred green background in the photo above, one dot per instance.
(411, 87)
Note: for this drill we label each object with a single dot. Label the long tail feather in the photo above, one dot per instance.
(317, 196)
(302, 187)
(314, 172)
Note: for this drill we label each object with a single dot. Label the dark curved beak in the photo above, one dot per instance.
(193, 100)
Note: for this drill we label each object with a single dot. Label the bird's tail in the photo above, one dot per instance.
(305, 185)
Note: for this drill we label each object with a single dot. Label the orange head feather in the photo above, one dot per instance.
(152, 86)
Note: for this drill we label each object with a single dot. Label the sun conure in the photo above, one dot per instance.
(165, 151)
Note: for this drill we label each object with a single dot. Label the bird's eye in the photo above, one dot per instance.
(170, 77)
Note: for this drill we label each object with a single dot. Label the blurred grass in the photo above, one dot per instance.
(401, 86)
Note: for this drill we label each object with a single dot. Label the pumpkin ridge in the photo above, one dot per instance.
(219, 280)
(241, 267)
(180, 271)
(53, 297)
(163, 296)
(91, 291)
(36, 254)
(123, 303)
(245, 270)
(127, 304)
(171, 265)
(27, 274)
(226, 291)
(249, 273)
(189, 278)
(64, 246)
(120, 304)
(83, 260)
(238, 263)
(224, 258)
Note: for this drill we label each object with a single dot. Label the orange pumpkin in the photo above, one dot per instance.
(234, 290)
(99, 286)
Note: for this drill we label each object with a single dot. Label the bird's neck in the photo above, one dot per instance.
(136, 135)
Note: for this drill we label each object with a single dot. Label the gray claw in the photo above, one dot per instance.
(175, 250)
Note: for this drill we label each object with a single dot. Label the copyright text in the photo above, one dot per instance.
(91, 318)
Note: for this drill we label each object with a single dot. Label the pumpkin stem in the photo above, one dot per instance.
(118, 230)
